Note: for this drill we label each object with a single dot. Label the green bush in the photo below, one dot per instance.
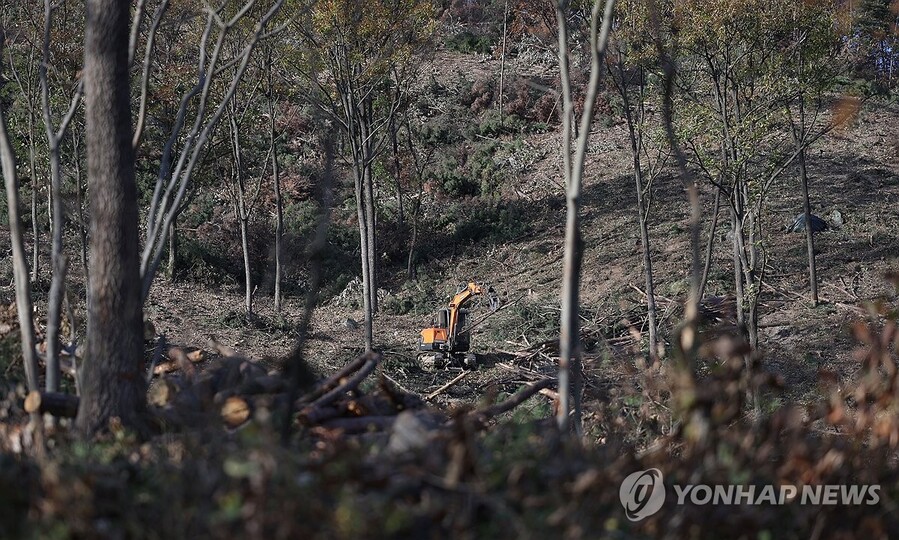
(468, 42)
(454, 180)
(486, 219)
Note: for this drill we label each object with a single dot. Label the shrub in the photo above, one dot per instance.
(468, 42)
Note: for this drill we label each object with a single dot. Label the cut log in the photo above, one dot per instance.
(235, 411)
(55, 403)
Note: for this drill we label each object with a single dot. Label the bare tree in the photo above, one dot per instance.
(243, 195)
(113, 384)
(19, 260)
(646, 168)
(363, 51)
(574, 154)
(59, 263)
(28, 89)
(178, 163)
(276, 174)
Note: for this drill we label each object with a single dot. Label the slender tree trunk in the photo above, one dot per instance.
(357, 146)
(635, 132)
(242, 211)
(35, 227)
(807, 206)
(710, 245)
(364, 248)
(173, 250)
(370, 211)
(113, 380)
(79, 204)
(738, 268)
(411, 272)
(276, 176)
(58, 266)
(248, 280)
(571, 382)
(400, 218)
(35, 233)
(502, 64)
(20, 264)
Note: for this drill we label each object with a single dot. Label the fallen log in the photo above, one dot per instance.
(55, 403)
(446, 386)
(371, 360)
(513, 401)
(334, 379)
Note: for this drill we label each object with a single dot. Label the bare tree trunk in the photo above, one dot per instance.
(394, 128)
(79, 202)
(411, 271)
(370, 208)
(35, 228)
(57, 261)
(35, 232)
(364, 248)
(710, 245)
(635, 132)
(806, 204)
(241, 210)
(502, 64)
(20, 264)
(113, 378)
(276, 175)
(573, 156)
(738, 268)
(173, 249)
(248, 280)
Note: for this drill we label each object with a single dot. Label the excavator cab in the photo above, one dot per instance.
(449, 339)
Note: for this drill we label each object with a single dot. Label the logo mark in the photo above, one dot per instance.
(642, 494)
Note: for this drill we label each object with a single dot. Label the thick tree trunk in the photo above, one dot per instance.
(113, 380)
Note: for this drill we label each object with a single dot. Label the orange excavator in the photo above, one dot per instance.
(449, 339)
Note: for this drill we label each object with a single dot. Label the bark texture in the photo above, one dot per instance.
(113, 382)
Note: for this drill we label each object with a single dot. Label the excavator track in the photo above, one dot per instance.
(431, 362)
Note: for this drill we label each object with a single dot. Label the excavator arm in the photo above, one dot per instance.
(456, 304)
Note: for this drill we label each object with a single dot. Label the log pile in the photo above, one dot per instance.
(231, 389)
